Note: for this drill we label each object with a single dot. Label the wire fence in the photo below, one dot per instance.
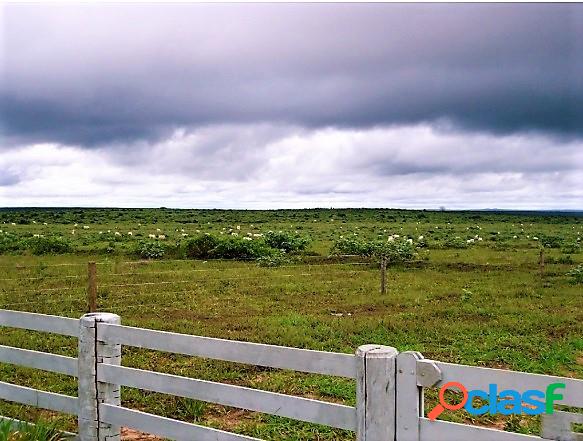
(73, 290)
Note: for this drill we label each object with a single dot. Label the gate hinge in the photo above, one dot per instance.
(428, 374)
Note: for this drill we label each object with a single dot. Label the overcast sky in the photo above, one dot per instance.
(292, 105)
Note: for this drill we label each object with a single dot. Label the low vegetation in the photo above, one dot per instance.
(465, 287)
(39, 431)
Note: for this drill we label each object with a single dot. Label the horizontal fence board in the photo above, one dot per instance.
(304, 409)
(165, 427)
(39, 360)
(304, 360)
(39, 322)
(38, 398)
(446, 431)
(479, 378)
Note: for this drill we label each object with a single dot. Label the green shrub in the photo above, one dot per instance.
(235, 247)
(455, 242)
(576, 274)
(396, 250)
(228, 247)
(571, 248)
(9, 243)
(353, 246)
(48, 245)
(150, 250)
(201, 247)
(548, 241)
(288, 242)
(275, 259)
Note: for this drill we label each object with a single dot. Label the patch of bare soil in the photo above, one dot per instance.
(231, 419)
(128, 434)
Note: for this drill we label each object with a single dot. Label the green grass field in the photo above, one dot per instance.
(483, 302)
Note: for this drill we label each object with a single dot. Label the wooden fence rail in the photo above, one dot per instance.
(389, 385)
(303, 360)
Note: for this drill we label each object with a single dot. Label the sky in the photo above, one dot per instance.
(463, 106)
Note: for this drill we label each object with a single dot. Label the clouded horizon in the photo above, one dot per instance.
(292, 105)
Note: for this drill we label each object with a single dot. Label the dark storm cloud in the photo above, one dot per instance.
(110, 74)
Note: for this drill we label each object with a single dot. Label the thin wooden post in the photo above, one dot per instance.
(91, 391)
(91, 287)
(383, 275)
(541, 261)
(375, 393)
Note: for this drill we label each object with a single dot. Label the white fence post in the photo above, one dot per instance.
(409, 397)
(91, 392)
(375, 393)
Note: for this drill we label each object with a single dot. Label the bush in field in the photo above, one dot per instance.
(276, 258)
(10, 242)
(353, 246)
(235, 247)
(571, 248)
(201, 247)
(396, 250)
(150, 250)
(455, 243)
(576, 274)
(228, 247)
(48, 245)
(548, 241)
(287, 242)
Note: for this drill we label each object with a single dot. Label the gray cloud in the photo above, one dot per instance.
(8, 178)
(411, 166)
(118, 75)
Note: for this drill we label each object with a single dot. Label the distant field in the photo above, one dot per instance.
(473, 294)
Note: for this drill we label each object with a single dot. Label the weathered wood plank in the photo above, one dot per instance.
(446, 431)
(303, 360)
(409, 397)
(375, 393)
(39, 322)
(38, 398)
(39, 360)
(473, 377)
(304, 409)
(165, 427)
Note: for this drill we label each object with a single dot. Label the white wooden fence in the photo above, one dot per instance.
(389, 385)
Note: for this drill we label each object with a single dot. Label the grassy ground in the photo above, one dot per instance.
(485, 305)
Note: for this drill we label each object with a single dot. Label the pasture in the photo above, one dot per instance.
(474, 293)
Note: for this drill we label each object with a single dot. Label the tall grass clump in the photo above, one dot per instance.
(22, 431)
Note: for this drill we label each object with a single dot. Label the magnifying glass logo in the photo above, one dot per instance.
(436, 411)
